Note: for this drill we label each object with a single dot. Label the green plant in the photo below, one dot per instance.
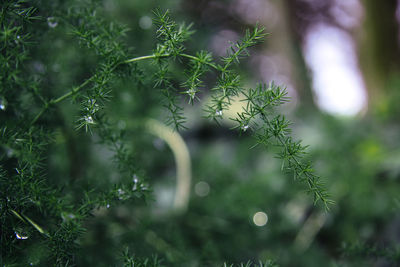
(51, 212)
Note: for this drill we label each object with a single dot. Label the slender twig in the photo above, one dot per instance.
(61, 98)
(310, 181)
(201, 61)
(72, 92)
(40, 114)
(143, 57)
(78, 88)
(168, 55)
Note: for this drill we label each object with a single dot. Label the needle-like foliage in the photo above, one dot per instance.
(36, 207)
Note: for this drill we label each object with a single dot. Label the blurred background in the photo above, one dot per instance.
(339, 60)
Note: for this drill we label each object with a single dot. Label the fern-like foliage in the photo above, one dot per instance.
(30, 120)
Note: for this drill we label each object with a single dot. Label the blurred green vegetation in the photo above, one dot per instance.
(358, 159)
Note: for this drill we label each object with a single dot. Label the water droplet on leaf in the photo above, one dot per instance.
(21, 236)
(67, 216)
(121, 194)
(52, 22)
(89, 120)
(93, 106)
(135, 182)
(3, 103)
(144, 187)
(218, 112)
(135, 179)
(192, 93)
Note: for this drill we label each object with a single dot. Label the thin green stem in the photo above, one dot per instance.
(143, 58)
(72, 92)
(77, 89)
(39, 114)
(197, 59)
(311, 184)
(232, 58)
(61, 98)
(168, 55)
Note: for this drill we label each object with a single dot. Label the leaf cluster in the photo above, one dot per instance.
(271, 129)
(34, 207)
(260, 112)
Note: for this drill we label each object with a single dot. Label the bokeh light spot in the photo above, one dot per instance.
(337, 80)
(202, 189)
(145, 22)
(260, 218)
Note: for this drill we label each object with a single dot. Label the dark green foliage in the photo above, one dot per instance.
(171, 35)
(362, 252)
(268, 263)
(49, 208)
(132, 261)
(260, 103)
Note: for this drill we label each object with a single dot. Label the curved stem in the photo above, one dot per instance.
(182, 161)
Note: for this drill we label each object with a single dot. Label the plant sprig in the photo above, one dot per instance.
(25, 187)
(260, 101)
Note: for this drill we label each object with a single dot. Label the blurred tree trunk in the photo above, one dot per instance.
(286, 43)
(297, 15)
(379, 49)
(303, 75)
